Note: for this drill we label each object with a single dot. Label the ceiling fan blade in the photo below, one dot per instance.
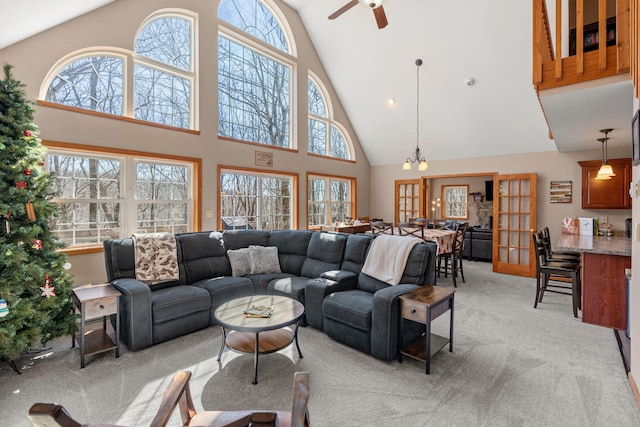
(381, 17)
(343, 9)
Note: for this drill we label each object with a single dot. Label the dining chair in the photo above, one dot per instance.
(381, 227)
(554, 276)
(451, 262)
(411, 229)
(557, 255)
(179, 394)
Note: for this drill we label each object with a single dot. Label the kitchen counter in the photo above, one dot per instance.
(604, 261)
(594, 244)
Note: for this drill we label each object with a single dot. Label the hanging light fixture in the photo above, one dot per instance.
(416, 157)
(606, 171)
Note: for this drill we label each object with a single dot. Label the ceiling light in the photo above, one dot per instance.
(391, 101)
(416, 156)
(606, 171)
(371, 3)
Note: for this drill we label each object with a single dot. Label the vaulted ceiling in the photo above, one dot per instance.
(488, 41)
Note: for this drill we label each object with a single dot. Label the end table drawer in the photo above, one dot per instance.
(101, 307)
(412, 310)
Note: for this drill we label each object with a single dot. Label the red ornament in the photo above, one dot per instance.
(27, 133)
(37, 244)
(21, 184)
(27, 171)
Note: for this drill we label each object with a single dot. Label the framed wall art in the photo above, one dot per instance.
(264, 158)
(560, 191)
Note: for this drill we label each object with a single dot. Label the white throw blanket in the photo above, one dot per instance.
(156, 257)
(387, 257)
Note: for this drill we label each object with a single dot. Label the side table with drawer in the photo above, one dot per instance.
(94, 303)
(423, 305)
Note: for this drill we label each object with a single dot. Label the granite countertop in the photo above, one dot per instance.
(594, 244)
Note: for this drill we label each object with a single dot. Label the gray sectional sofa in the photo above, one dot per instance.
(310, 267)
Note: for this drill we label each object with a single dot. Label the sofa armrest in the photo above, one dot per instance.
(316, 289)
(136, 323)
(339, 275)
(385, 318)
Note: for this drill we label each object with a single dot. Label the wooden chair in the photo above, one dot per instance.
(178, 394)
(554, 276)
(557, 255)
(451, 262)
(381, 227)
(411, 229)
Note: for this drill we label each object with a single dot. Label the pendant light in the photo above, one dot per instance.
(416, 156)
(606, 171)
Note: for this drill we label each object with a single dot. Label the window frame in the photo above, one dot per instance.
(128, 195)
(328, 211)
(329, 122)
(447, 190)
(261, 173)
(130, 59)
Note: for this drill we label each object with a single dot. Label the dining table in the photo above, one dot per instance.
(443, 237)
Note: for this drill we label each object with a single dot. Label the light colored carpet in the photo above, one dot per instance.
(512, 365)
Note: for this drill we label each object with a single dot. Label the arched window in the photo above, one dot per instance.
(163, 71)
(254, 81)
(326, 138)
(90, 82)
(163, 74)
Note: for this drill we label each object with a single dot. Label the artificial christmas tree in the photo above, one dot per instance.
(35, 288)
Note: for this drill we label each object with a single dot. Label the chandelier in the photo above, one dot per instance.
(416, 156)
(606, 171)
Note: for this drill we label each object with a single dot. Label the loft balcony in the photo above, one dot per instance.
(582, 69)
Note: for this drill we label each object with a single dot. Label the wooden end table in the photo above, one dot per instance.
(96, 302)
(422, 306)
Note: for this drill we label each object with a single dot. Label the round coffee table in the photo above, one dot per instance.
(259, 335)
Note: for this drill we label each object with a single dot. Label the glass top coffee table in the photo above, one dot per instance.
(259, 335)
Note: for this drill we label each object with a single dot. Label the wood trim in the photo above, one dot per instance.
(330, 158)
(460, 175)
(114, 117)
(623, 34)
(634, 388)
(257, 144)
(294, 190)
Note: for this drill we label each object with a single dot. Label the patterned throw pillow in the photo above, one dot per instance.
(264, 259)
(240, 260)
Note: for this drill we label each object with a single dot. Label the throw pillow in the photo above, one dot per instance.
(240, 261)
(264, 259)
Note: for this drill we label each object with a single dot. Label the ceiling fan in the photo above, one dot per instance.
(375, 5)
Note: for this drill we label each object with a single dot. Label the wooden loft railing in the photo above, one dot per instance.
(589, 57)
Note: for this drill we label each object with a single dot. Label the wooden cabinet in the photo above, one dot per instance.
(609, 194)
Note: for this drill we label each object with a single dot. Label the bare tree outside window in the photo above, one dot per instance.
(329, 200)
(256, 201)
(92, 83)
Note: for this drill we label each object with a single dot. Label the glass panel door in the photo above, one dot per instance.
(409, 197)
(514, 216)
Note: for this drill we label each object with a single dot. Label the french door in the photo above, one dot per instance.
(514, 216)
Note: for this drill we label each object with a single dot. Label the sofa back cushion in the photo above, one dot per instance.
(119, 259)
(325, 253)
(419, 270)
(203, 256)
(236, 239)
(355, 252)
(292, 249)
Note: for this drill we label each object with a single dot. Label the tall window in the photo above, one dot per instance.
(254, 83)
(253, 200)
(325, 138)
(329, 199)
(454, 198)
(163, 75)
(94, 205)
